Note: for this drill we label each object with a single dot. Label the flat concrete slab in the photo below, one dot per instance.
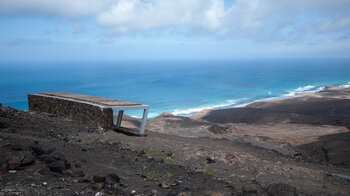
(91, 99)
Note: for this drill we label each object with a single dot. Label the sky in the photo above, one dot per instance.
(85, 30)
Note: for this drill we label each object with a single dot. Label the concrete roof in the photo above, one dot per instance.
(90, 99)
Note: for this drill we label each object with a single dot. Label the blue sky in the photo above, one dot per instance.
(44, 30)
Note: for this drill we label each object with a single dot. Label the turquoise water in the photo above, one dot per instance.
(178, 87)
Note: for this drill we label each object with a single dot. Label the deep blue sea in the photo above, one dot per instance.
(178, 87)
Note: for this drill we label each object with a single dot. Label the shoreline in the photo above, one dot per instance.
(300, 91)
(287, 126)
(230, 103)
(295, 145)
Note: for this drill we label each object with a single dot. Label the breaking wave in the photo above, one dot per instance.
(242, 103)
(194, 110)
(303, 89)
(346, 85)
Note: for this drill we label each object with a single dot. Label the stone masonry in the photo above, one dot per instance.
(83, 113)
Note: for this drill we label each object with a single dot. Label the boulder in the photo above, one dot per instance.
(4, 167)
(99, 178)
(229, 156)
(83, 180)
(38, 150)
(63, 158)
(114, 177)
(50, 158)
(210, 160)
(97, 186)
(46, 158)
(14, 163)
(57, 166)
(216, 129)
(74, 173)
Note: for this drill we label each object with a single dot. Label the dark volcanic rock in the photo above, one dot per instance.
(15, 147)
(38, 150)
(74, 173)
(28, 160)
(99, 178)
(50, 158)
(312, 111)
(281, 189)
(210, 160)
(97, 186)
(57, 166)
(331, 149)
(63, 158)
(46, 159)
(114, 177)
(78, 173)
(14, 163)
(170, 177)
(216, 129)
(45, 171)
(83, 180)
(2, 124)
(4, 167)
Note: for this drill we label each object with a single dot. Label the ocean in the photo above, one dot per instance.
(174, 86)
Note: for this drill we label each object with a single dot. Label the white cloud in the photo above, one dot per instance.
(286, 19)
(61, 8)
(263, 20)
(135, 15)
(258, 20)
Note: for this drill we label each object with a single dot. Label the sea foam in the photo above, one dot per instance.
(194, 110)
(231, 103)
(346, 85)
(297, 91)
(301, 90)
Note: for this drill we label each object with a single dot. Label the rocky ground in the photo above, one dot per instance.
(316, 124)
(42, 154)
(46, 155)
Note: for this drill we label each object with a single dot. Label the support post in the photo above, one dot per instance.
(144, 119)
(119, 119)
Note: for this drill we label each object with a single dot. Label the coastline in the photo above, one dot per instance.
(238, 103)
(184, 88)
(286, 125)
(290, 146)
(262, 150)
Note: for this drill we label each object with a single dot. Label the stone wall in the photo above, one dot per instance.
(83, 113)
